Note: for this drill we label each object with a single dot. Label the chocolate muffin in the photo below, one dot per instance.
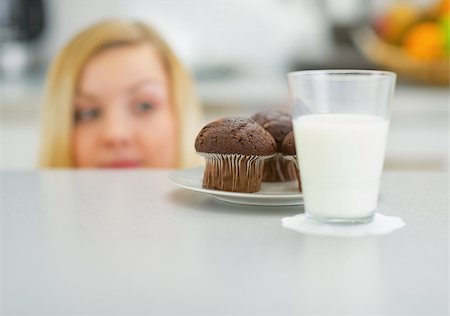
(234, 149)
(288, 145)
(278, 124)
(290, 155)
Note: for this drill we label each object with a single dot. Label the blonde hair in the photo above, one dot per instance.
(62, 79)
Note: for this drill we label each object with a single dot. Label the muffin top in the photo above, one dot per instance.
(288, 146)
(235, 135)
(277, 123)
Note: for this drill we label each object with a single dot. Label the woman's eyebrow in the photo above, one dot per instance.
(86, 95)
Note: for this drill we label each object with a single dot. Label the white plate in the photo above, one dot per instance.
(277, 193)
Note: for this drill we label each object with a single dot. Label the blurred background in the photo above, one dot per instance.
(239, 53)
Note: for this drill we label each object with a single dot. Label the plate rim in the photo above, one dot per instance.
(255, 195)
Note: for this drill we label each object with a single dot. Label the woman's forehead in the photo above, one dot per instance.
(124, 68)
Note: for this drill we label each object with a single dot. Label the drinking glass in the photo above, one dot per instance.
(341, 120)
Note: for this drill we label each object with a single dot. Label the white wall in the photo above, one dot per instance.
(258, 35)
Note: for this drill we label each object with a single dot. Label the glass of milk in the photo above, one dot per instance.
(341, 120)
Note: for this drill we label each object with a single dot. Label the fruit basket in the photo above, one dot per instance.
(394, 58)
(411, 40)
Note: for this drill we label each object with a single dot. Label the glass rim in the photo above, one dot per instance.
(357, 72)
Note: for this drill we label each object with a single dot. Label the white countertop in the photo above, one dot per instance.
(117, 243)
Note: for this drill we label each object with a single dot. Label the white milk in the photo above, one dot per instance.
(341, 158)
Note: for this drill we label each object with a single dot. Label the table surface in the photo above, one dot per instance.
(123, 242)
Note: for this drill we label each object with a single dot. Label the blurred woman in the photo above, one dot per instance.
(118, 97)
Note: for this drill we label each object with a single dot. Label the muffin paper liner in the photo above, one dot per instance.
(293, 159)
(279, 169)
(233, 172)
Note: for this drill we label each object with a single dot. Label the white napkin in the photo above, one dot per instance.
(380, 225)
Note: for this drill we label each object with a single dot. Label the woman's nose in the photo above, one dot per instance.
(116, 130)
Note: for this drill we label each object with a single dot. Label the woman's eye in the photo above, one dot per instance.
(83, 115)
(143, 106)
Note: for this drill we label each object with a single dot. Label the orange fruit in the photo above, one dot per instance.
(425, 41)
